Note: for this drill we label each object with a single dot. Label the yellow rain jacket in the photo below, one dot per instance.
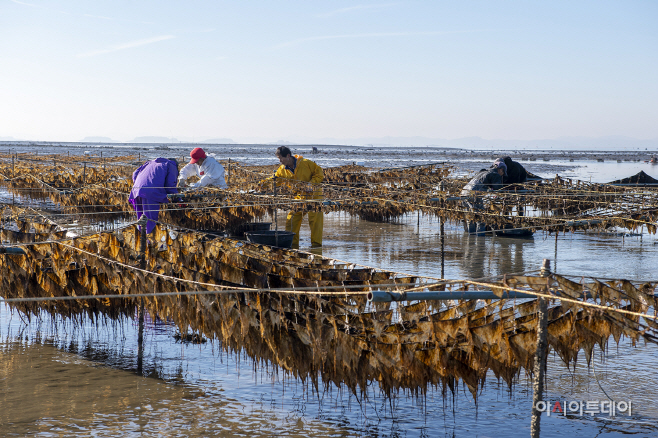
(306, 171)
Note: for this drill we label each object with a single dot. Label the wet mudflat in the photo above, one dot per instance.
(63, 378)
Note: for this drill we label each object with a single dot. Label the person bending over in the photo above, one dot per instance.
(516, 173)
(206, 168)
(152, 182)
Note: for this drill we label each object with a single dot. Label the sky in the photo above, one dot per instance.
(309, 70)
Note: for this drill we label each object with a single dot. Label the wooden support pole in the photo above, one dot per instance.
(418, 218)
(142, 241)
(540, 355)
(142, 265)
(443, 249)
(140, 338)
(555, 256)
(443, 232)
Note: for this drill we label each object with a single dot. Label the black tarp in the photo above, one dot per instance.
(638, 178)
(532, 176)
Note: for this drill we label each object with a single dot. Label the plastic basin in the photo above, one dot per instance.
(282, 239)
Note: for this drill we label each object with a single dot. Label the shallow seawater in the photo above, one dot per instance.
(64, 378)
(60, 378)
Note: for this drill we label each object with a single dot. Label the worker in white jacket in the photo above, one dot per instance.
(206, 168)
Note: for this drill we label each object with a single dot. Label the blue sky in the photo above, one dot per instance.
(303, 70)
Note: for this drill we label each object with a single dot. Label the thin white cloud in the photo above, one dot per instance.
(194, 31)
(97, 16)
(129, 45)
(23, 3)
(371, 35)
(356, 8)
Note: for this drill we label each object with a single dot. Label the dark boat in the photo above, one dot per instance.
(507, 231)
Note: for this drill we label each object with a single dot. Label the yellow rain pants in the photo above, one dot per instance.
(315, 221)
(305, 171)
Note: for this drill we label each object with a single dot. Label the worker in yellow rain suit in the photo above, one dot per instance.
(298, 168)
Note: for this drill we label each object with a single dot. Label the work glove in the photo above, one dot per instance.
(193, 185)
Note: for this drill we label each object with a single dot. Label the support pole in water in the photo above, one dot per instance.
(555, 257)
(276, 223)
(13, 172)
(228, 173)
(443, 233)
(418, 221)
(142, 265)
(540, 355)
(443, 249)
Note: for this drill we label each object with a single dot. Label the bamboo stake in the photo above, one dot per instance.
(142, 265)
(540, 356)
(443, 250)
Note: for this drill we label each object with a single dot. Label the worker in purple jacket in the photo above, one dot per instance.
(152, 182)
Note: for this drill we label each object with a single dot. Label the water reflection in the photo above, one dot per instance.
(85, 374)
(491, 256)
(60, 379)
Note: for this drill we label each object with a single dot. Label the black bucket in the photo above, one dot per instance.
(282, 239)
(251, 227)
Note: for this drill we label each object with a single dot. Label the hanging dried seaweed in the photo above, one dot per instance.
(340, 337)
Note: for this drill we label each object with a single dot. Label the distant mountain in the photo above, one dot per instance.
(560, 143)
(8, 139)
(155, 139)
(218, 141)
(98, 140)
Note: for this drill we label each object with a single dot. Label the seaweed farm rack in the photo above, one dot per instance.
(315, 316)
